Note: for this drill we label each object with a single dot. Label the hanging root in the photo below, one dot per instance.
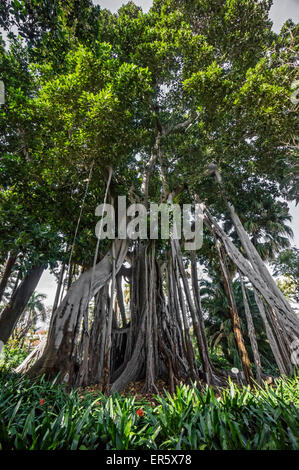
(31, 358)
(148, 337)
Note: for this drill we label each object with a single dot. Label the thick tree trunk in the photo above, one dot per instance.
(87, 346)
(13, 311)
(60, 355)
(134, 363)
(135, 366)
(156, 341)
(10, 262)
(91, 369)
(158, 345)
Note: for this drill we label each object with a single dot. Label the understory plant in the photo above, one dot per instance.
(44, 416)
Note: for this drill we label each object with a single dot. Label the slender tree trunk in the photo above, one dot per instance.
(108, 340)
(120, 300)
(151, 313)
(199, 326)
(13, 311)
(235, 317)
(70, 276)
(290, 327)
(252, 334)
(83, 354)
(58, 290)
(10, 262)
(281, 337)
(190, 355)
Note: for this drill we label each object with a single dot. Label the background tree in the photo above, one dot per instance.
(286, 265)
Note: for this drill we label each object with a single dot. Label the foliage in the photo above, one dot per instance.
(287, 265)
(13, 354)
(84, 85)
(41, 415)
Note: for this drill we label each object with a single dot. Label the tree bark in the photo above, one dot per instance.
(150, 312)
(105, 379)
(18, 278)
(283, 368)
(252, 334)
(120, 300)
(199, 327)
(13, 311)
(59, 355)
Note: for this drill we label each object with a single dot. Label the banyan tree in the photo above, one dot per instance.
(163, 108)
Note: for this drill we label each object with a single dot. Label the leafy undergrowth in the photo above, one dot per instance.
(42, 415)
(13, 354)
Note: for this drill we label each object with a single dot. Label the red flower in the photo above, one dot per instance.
(139, 413)
(42, 401)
